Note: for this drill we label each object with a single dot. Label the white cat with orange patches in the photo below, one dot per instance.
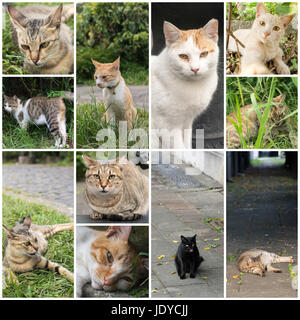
(117, 97)
(184, 79)
(108, 260)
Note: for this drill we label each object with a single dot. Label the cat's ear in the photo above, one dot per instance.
(54, 20)
(116, 64)
(260, 10)
(17, 18)
(118, 232)
(9, 232)
(27, 222)
(249, 260)
(194, 237)
(172, 33)
(184, 240)
(15, 97)
(279, 99)
(89, 162)
(5, 96)
(286, 19)
(211, 29)
(96, 64)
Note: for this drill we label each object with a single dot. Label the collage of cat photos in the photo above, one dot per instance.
(261, 76)
(149, 150)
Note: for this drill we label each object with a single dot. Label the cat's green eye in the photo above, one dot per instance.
(184, 56)
(204, 54)
(109, 257)
(45, 44)
(96, 176)
(112, 176)
(27, 243)
(276, 28)
(25, 47)
(262, 23)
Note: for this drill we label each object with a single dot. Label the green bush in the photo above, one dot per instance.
(106, 31)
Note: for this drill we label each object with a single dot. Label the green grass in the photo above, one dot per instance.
(91, 119)
(12, 58)
(41, 283)
(259, 92)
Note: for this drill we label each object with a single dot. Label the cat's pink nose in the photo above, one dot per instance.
(195, 70)
(35, 60)
(266, 34)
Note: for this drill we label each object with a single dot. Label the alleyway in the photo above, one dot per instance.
(261, 213)
(186, 205)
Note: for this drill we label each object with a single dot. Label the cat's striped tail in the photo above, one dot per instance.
(55, 267)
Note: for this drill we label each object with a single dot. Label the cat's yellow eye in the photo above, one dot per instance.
(96, 176)
(112, 176)
(45, 44)
(27, 243)
(104, 77)
(203, 54)
(184, 57)
(25, 47)
(262, 23)
(109, 257)
(276, 28)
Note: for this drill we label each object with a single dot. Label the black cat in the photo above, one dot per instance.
(187, 259)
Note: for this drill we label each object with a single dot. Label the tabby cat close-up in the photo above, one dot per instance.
(43, 38)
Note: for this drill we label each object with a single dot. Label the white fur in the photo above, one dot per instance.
(86, 265)
(179, 94)
(261, 44)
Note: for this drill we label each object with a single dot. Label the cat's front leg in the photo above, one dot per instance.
(10, 276)
(23, 124)
(281, 67)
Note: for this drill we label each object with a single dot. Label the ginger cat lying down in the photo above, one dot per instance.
(108, 260)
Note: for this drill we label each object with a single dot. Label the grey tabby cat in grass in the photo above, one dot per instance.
(43, 39)
(40, 110)
(115, 191)
(25, 246)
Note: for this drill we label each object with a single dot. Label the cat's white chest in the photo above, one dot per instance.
(115, 99)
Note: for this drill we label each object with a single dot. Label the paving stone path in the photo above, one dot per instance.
(50, 185)
(140, 95)
(261, 213)
(177, 210)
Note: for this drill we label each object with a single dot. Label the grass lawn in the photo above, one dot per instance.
(261, 90)
(91, 119)
(41, 283)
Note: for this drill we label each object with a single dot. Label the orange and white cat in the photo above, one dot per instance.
(262, 43)
(184, 79)
(108, 260)
(117, 97)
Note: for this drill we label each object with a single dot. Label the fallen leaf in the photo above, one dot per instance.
(236, 276)
(161, 257)
(175, 241)
(173, 272)
(207, 248)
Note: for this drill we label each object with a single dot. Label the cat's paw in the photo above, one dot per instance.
(283, 69)
(96, 216)
(192, 275)
(182, 276)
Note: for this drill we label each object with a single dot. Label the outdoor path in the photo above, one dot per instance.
(180, 206)
(140, 95)
(261, 213)
(49, 185)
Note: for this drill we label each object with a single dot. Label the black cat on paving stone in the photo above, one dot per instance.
(187, 259)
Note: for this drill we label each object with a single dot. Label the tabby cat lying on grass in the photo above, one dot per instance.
(25, 246)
